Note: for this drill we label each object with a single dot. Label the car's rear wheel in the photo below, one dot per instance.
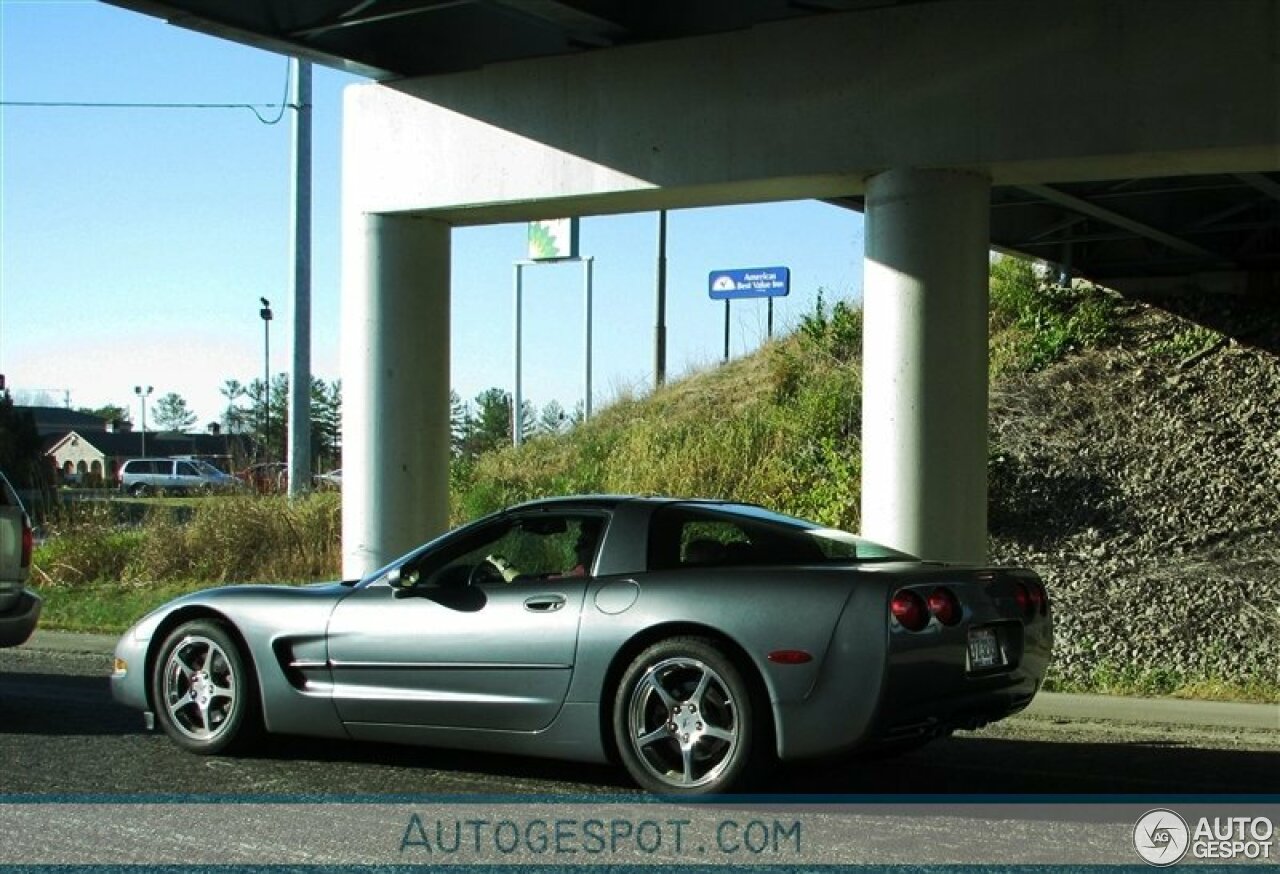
(203, 691)
(684, 720)
(139, 490)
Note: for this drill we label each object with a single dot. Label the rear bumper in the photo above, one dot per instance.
(932, 691)
(963, 711)
(17, 624)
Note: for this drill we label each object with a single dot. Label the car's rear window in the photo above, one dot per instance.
(695, 535)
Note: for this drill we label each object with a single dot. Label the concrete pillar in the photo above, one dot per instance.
(924, 378)
(395, 364)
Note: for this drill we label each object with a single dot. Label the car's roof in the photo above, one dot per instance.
(565, 502)
(609, 502)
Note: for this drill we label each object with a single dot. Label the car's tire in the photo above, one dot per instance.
(203, 690)
(685, 722)
(138, 490)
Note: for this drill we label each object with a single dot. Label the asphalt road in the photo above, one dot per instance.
(61, 733)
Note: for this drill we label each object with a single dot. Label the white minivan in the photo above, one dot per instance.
(19, 606)
(152, 476)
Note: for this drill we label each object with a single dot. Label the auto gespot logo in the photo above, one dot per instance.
(1162, 837)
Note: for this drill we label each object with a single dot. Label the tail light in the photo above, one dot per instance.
(909, 609)
(28, 544)
(1030, 598)
(1039, 599)
(944, 604)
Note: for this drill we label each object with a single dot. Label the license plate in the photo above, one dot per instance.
(984, 649)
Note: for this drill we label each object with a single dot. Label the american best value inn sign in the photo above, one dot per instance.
(753, 282)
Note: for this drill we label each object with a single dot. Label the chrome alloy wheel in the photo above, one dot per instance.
(199, 688)
(683, 723)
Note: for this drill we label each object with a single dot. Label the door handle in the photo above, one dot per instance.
(544, 603)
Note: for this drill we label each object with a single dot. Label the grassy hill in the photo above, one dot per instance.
(774, 428)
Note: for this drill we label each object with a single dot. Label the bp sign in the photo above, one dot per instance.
(553, 239)
(750, 283)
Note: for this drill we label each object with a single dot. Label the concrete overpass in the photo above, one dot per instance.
(1137, 142)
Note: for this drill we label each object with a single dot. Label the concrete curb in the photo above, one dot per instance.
(72, 642)
(1164, 711)
(1047, 705)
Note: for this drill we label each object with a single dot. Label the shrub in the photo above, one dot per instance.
(83, 543)
(1034, 322)
(244, 538)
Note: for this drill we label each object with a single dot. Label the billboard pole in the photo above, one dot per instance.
(660, 333)
(726, 331)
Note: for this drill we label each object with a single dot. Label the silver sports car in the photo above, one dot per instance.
(693, 641)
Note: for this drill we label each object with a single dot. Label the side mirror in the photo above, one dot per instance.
(402, 579)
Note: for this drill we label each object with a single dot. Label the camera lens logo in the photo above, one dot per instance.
(1161, 837)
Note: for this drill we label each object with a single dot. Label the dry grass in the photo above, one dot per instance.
(215, 540)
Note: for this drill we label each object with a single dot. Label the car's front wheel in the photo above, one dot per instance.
(684, 720)
(203, 691)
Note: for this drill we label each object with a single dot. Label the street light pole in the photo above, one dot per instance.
(265, 312)
(142, 396)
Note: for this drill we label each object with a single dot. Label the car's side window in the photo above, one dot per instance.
(714, 542)
(186, 468)
(544, 546)
(682, 536)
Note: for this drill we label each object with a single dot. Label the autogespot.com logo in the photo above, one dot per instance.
(1161, 837)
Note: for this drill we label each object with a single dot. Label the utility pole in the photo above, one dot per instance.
(300, 375)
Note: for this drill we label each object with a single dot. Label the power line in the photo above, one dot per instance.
(85, 104)
(72, 104)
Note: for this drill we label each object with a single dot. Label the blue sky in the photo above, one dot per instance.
(135, 243)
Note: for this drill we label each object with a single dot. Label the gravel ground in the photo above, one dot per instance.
(1143, 482)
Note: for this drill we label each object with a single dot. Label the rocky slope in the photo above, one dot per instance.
(1143, 481)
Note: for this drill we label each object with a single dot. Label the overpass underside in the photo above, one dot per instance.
(951, 125)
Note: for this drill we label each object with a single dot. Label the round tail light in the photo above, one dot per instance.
(1039, 600)
(910, 610)
(944, 604)
(1022, 594)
